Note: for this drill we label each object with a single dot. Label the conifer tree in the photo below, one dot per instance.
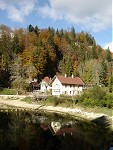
(104, 74)
(73, 34)
(36, 29)
(108, 55)
(15, 45)
(94, 53)
(57, 33)
(30, 28)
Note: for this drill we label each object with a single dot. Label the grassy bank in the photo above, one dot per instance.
(6, 91)
(68, 102)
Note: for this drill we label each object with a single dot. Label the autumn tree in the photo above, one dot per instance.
(39, 61)
(81, 37)
(27, 60)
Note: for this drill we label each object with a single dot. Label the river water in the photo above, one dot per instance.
(24, 130)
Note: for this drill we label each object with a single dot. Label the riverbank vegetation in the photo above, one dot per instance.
(96, 96)
(7, 91)
(96, 99)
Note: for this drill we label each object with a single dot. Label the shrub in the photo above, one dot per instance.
(95, 96)
(20, 85)
(97, 93)
(109, 100)
(87, 102)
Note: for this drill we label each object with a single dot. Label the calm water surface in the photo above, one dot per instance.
(23, 130)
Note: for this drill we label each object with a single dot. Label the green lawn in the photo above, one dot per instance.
(7, 91)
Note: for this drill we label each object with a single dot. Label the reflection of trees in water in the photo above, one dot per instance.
(95, 135)
(31, 131)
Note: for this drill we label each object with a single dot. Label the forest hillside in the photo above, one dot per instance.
(31, 53)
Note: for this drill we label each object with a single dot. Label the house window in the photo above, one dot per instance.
(78, 92)
(56, 91)
(57, 86)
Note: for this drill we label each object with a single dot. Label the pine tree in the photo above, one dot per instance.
(94, 53)
(104, 74)
(15, 45)
(36, 29)
(57, 33)
(73, 34)
(111, 84)
(108, 55)
(30, 28)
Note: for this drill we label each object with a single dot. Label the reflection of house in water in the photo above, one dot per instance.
(57, 130)
(55, 127)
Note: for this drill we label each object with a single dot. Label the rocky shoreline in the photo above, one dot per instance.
(15, 102)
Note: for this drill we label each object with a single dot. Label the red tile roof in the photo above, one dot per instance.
(70, 80)
(34, 84)
(47, 79)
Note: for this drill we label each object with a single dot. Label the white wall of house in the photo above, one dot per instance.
(58, 89)
(44, 87)
(72, 89)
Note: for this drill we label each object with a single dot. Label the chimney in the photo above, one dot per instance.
(65, 75)
(72, 76)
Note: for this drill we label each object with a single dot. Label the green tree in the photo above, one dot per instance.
(82, 52)
(73, 33)
(57, 33)
(89, 39)
(17, 74)
(86, 71)
(97, 93)
(61, 33)
(6, 50)
(94, 52)
(111, 84)
(66, 65)
(108, 55)
(37, 30)
(104, 74)
(30, 28)
(15, 45)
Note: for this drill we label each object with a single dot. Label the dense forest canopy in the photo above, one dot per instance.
(31, 53)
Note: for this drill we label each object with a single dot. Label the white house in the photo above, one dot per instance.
(44, 84)
(67, 85)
